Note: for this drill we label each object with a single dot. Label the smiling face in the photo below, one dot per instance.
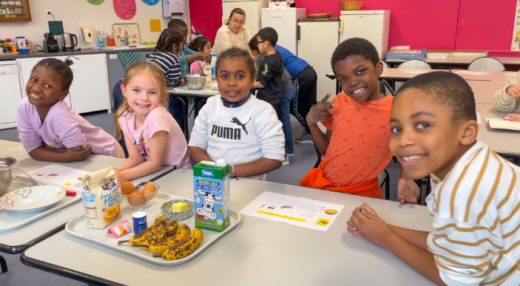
(359, 77)
(142, 94)
(45, 87)
(236, 23)
(425, 137)
(233, 78)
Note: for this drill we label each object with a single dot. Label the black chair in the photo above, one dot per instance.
(388, 87)
(386, 183)
(3, 264)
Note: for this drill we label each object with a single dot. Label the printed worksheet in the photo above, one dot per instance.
(298, 211)
(58, 175)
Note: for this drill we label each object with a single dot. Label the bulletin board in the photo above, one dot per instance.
(130, 31)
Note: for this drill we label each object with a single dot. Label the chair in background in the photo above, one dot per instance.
(415, 65)
(411, 65)
(384, 178)
(3, 264)
(486, 64)
(388, 88)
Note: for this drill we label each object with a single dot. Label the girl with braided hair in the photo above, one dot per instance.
(48, 128)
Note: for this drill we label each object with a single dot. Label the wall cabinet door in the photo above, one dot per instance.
(485, 28)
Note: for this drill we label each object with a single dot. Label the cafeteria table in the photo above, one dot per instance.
(503, 142)
(16, 241)
(256, 252)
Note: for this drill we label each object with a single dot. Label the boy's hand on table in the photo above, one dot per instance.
(367, 224)
(407, 191)
(514, 90)
(78, 153)
(513, 117)
(320, 111)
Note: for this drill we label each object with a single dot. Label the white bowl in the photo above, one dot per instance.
(32, 199)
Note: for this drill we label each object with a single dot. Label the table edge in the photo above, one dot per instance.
(65, 272)
(22, 247)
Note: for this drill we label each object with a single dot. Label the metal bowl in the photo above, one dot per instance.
(195, 81)
(6, 173)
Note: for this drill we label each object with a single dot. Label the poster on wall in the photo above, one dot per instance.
(125, 9)
(515, 43)
(151, 2)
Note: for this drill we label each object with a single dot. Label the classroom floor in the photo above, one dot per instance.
(303, 160)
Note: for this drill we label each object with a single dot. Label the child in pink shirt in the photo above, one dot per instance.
(152, 136)
(48, 128)
(203, 45)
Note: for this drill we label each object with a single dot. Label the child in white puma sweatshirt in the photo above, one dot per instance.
(235, 125)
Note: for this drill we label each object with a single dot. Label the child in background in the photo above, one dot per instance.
(284, 107)
(152, 136)
(48, 128)
(270, 70)
(508, 99)
(475, 193)
(235, 125)
(355, 147)
(203, 45)
(166, 56)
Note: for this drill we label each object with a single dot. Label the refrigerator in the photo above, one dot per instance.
(284, 21)
(317, 40)
(252, 9)
(373, 25)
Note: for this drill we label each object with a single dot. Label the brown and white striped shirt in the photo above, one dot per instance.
(476, 220)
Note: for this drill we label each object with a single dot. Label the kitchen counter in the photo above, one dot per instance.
(88, 51)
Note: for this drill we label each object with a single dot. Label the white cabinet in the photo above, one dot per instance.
(10, 94)
(89, 90)
(371, 25)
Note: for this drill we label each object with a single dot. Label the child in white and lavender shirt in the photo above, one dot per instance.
(152, 136)
(48, 128)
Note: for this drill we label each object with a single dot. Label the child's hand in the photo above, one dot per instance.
(205, 57)
(78, 154)
(513, 117)
(319, 111)
(514, 90)
(120, 177)
(407, 191)
(368, 225)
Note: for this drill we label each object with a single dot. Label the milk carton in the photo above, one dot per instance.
(212, 197)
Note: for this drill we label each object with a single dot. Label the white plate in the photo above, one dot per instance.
(76, 227)
(32, 199)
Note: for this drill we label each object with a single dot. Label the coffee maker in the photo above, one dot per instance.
(50, 45)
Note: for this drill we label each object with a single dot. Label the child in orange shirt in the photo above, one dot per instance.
(355, 148)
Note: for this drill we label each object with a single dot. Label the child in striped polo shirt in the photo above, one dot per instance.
(476, 193)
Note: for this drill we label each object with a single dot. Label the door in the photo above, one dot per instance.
(89, 91)
(370, 27)
(251, 9)
(317, 42)
(11, 94)
(284, 22)
(484, 29)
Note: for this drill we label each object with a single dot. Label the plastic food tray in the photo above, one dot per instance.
(76, 227)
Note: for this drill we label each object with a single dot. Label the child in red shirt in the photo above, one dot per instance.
(355, 148)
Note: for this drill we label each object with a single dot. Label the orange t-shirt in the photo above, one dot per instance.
(358, 149)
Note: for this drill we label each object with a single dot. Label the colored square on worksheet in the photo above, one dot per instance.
(155, 25)
(56, 27)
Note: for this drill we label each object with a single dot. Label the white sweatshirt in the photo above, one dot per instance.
(504, 102)
(239, 135)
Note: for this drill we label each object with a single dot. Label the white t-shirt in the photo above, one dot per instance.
(476, 220)
(239, 135)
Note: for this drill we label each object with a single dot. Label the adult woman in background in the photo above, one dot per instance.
(233, 33)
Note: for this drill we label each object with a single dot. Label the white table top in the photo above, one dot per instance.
(257, 252)
(501, 141)
(462, 60)
(485, 75)
(38, 228)
(485, 90)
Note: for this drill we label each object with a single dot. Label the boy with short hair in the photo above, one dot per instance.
(355, 147)
(475, 197)
(284, 108)
(269, 80)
